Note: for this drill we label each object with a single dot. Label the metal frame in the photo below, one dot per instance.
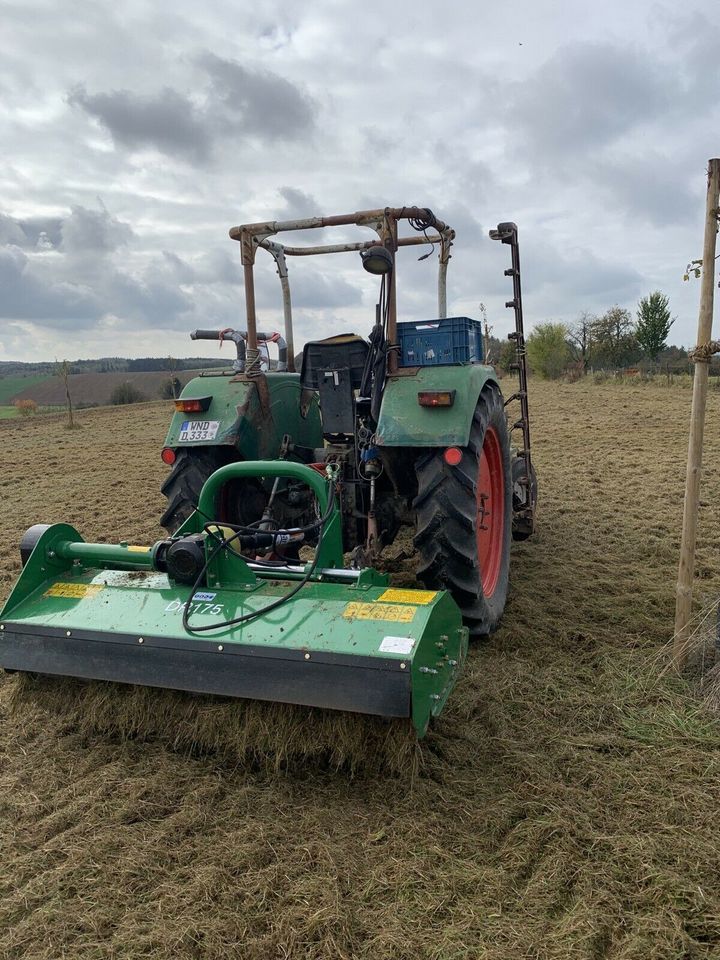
(383, 221)
(508, 233)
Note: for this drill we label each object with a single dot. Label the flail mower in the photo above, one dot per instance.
(284, 490)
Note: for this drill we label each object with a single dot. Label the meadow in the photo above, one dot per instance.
(565, 804)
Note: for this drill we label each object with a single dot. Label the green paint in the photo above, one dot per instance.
(147, 604)
(331, 549)
(236, 404)
(404, 423)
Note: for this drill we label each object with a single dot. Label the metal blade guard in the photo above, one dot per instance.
(344, 640)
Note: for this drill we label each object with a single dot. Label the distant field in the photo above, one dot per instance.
(7, 412)
(91, 388)
(10, 387)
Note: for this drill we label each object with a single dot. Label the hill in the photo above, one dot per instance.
(91, 388)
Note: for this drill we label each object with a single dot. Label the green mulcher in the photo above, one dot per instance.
(284, 490)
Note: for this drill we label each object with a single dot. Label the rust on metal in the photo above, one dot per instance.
(384, 221)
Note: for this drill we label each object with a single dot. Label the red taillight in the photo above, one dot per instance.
(168, 455)
(436, 398)
(194, 405)
(453, 456)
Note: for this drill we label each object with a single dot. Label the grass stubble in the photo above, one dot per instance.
(564, 806)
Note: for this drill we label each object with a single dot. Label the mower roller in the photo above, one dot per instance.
(283, 492)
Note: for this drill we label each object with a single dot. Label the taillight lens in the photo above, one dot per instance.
(453, 456)
(168, 455)
(194, 405)
(436, 398)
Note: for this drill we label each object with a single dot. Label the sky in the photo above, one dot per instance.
(136, 134)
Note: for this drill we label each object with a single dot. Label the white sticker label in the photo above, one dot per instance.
(192, 431)
(397, 645)
(204, 596)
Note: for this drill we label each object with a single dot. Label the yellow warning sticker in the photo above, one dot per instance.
(379, 611)
(77, 591)
(408, 596)
(139, 549)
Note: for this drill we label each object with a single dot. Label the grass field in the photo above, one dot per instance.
(569, 801)
(11, 386)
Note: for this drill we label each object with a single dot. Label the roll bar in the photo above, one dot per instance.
(385, 224)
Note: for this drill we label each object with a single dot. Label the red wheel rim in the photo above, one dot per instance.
(490, 520)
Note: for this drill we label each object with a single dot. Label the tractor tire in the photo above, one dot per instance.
(185, 481)
(241, 501)
(464, 518)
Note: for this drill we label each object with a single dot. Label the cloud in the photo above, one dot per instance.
(298, 204)
(650, 188)
(561, 284)
(256, 103)
(93, 230)
(30, 233)
(592, 135)
(81, 278)
(166, 121)
(313, 289)
(586, 96)
(237, 101)
(30, 295)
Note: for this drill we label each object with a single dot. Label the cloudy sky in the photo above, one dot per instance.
(135, 134)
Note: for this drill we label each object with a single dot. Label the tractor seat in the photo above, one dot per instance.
(334, 367)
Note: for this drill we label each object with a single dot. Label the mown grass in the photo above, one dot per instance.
(565, 804)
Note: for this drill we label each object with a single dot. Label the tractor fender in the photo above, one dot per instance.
(404, 423)
(250, 414)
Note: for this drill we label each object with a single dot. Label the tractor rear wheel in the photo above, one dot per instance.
(464, 518)
(240, 501)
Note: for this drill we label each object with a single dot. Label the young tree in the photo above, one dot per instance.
(614, 338)
(488, 340)
(653, 324)
(64, 370)
(548, 350)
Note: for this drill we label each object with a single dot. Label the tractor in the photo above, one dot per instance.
(285, 488)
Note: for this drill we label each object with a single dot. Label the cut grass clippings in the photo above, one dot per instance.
(564, 807)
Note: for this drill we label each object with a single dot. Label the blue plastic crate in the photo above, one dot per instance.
(425, 343)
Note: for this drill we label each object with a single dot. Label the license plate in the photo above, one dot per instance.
(192, 431)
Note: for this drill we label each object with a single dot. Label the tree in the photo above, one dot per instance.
(614, 341)
(64, 370)
(653, 324)
(548, 350)
(579, 335)
(506, 354)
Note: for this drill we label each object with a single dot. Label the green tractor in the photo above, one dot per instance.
(284, 490)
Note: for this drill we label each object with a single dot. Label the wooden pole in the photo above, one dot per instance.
(683, 604)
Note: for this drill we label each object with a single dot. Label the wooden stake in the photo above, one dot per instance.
(683, 605)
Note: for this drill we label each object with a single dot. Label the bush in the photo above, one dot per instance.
(26, 408)
(126, 393)
(548, 350)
